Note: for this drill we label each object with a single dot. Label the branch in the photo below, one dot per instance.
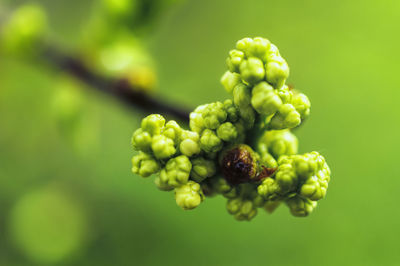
(119, 88)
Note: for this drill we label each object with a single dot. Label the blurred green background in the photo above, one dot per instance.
(74, 201)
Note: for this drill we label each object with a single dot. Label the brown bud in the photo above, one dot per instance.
(239, 165)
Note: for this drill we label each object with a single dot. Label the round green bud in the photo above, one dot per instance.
(260, 47)
(172, 130)
(245, 45)
(196, 119)
(176, 172)
(231, 110)
(302, 104)
(300, 207)
(272, 53)
(248, 116)
(241, 95)
(189, 144)
(280, 142)
(286, 177)
(271, 205)
(202, 169)
(241, 131)
(221, 186)
(144, 165)
(214, 114)
(306, 165)
(312, 189)
(277, 71)
(286, 117)
(227, 132)
(153, 124)
(241, 209)
(252, 70)
(234, 60)
(209, 141)
(162, 184)
(229, 80)
(265, 99)
(268, 160)
(162, 147)
(189, 195)
(285, 94)
(269, 189)
(141, 140)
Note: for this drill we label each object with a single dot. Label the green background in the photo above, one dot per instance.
(343, 54)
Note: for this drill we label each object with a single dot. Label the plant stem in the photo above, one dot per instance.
(119, 88)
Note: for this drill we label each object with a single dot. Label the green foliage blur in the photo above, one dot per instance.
(67, 194)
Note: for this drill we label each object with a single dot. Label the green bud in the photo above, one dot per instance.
(264, 99)
(231, 110)
(302, 104)
(286, 117)
(241, 209)
(227, 132)
(260, 47)
(172, 131)
(277, 71)
(286, 176)
(268, 160)
(176, 172)
(234, 60)
(144, 165)
(272, 53)
(189, 195)
(221, 186)
(241, 131)
(162, 184)
(285, 94)
(269, 189)
(300, 207)
(153, 124)
(189, 145)
(162, 147)
(244, 45)
(306, 165)
(271, 205)
(209, 141)
(248, 116)
(229, 80)
(202, 169)
(196, 119)
(214, 114)
(241, 96)
(141, 140)
(316, 184)
(280, 142)
(252, 70)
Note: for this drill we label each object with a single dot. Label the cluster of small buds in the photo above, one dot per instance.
(243, 148)
(256, 79)
(300, 181)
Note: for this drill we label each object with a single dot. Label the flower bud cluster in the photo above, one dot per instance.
(256, 79)
(242, 148)
(300, 181)
(175, 155)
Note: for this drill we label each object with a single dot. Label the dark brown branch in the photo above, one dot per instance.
(118, 88)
